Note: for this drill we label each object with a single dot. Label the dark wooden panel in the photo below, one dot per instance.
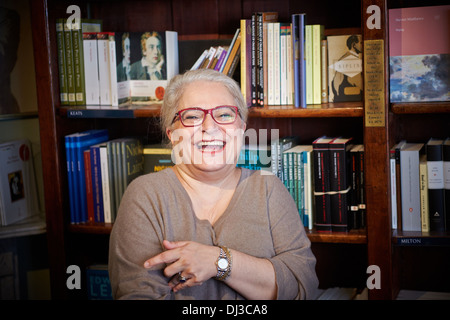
(196, 17)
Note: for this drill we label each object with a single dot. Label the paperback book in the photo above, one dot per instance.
(419, 54)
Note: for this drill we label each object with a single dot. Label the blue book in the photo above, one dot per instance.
(82, 142)
(98, 283)
(70, 174)
(97, 187)
(298, 42)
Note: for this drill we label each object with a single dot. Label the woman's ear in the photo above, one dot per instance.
(169, 134)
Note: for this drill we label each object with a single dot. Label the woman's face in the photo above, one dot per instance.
(209, 146)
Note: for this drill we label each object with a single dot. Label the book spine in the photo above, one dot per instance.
(89, 193)
(322, 186)
(103, 68)
(276, 63)
(283, 64)
(71, 187)
(290, 65)
(69, 63)
(317, 35)
(338, 187)
(446, 157)
(110, 153)
(361, 188)
(270, 64)
(324, 71)
(309, 64)
(424, 213)
(173, 67)
(113, 69)
(393, 182)
(78, 64)
(436, 192)
(91, 69)
(409, 164)
(63, 93)
(254, 87)
(298, 38)
(105, 184)
(259, 59)
(97, 184)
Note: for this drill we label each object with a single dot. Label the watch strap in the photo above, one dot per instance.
(223, 274)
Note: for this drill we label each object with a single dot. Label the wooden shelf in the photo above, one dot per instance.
(420, 107)
(418, 238)
(91, 228)
(353, 236)
(358, 236)
(327, 110)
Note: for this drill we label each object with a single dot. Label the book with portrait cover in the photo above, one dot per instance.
(145, 62)
(419, 54)
(345, 68)
(18, 193)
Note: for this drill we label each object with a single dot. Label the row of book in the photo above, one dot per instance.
(221, 58)
(325, 178)
(420, 185)
(113, 68)
(100, 169)
(18, 189)
(293, 63)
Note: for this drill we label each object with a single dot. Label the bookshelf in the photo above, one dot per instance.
(202, 21)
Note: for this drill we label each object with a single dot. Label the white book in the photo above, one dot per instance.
(270, 64)
(276, 63)
(309, 64)
(92, 85)
(410, 186)
(283, 65)
(104, 75)
(18, 193)
(105, 183)
(112, 70)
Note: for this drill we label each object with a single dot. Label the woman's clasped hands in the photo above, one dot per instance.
(188, 263)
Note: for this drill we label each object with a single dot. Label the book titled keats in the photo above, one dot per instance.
(419, 54)
(345, 68)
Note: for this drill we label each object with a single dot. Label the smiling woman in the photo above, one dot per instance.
(206, 229)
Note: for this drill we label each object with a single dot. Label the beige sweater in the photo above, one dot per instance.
(261, 220)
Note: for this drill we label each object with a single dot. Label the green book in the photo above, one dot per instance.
(63, 90)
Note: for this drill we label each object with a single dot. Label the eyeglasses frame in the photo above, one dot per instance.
(206, 112)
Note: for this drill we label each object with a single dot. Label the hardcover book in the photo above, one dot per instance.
(339, 182)
(157, 158)
(419, 54)
(18, 193)
(410, 186)
(436, 191)
(98, 284)
(322, 164)
(345, 68)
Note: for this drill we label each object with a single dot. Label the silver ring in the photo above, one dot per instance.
(181, 278)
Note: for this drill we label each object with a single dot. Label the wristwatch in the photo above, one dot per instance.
(223, 264)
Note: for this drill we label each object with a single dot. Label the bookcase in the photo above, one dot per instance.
(342, 258)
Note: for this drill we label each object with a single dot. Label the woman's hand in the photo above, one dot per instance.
(188, 259)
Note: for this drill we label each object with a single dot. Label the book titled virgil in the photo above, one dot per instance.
(419, 54)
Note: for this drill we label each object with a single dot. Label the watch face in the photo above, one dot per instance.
(222, 263)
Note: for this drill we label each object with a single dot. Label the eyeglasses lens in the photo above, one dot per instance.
(222, 115)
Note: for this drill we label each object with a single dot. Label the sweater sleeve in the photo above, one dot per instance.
(137, 235)
(294, 262)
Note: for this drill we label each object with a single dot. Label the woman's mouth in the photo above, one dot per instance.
(211, 146)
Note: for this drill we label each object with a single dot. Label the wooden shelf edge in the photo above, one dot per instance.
(351, 237)
(328, 110)
(420, 107)
(91, 228)
(418, 238)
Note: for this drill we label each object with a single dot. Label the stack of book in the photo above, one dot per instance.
(293, 63)
(420, 185)
(113, 68)
(99, 170)
(221, 58)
